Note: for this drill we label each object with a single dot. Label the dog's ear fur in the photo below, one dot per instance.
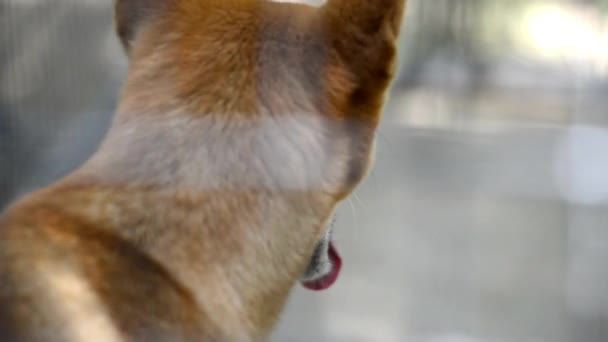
(130, 15)
(364, 32)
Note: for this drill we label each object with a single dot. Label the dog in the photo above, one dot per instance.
(242, 124)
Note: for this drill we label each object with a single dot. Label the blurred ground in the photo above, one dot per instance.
(463, 237)
(485, 216)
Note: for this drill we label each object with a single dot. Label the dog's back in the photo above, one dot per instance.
(243, 123)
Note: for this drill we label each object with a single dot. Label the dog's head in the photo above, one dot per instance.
(302, 86)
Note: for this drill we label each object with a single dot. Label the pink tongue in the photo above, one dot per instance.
(328, 280)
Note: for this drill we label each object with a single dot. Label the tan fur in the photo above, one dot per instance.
(242, 124)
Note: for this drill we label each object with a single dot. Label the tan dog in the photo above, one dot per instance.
(243, 123)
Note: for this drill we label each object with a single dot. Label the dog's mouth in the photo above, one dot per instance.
(324, 267)
(326, 279)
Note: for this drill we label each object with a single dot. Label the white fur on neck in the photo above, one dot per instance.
(293, 152)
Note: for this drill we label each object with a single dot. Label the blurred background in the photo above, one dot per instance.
(485, 217)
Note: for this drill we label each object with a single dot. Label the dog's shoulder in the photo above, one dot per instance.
(76, 279)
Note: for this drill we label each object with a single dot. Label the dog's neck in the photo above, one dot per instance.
(231, 205)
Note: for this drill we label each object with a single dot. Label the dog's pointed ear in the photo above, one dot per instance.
(130, 15)
(367, 16)
(365, 32)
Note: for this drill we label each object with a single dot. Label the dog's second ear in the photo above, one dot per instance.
(365, 34)
(130, 15)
